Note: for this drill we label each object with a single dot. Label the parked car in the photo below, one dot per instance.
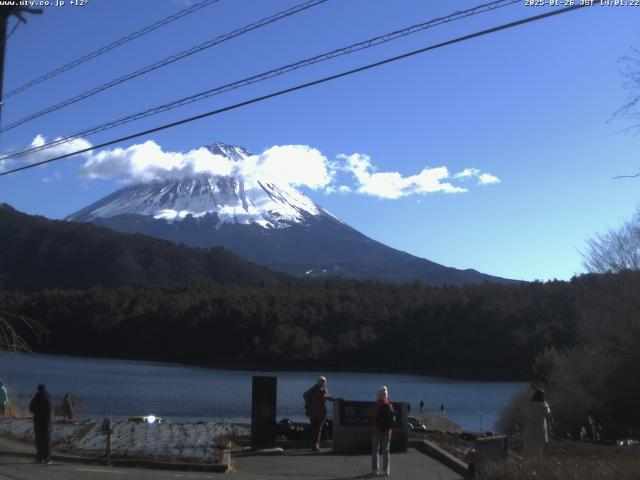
(415, 425)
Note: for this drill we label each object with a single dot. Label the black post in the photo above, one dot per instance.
(5, 13)
(263, 412)
(4, 19)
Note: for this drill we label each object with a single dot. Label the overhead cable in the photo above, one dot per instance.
(100, 51)
(369, 43)
(304, 85)
(166, 61)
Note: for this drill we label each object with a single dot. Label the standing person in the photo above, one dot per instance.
(535, 434)
(4, 399)
(442, 413)
(383, 418)
(67, 407)
(41, 407)
(316, 409)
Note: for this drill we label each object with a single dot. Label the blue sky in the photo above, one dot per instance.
(529, 106)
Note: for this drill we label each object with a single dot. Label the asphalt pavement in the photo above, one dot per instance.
(296, 464)
(16, 463)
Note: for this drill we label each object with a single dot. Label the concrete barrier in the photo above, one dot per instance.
(444, 457)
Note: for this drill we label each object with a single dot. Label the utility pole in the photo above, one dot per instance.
(5, 13)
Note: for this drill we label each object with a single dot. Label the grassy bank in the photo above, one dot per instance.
(569, 460)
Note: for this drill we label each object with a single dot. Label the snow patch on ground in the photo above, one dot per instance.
(191, 442)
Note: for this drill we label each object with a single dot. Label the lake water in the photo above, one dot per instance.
(126, 388)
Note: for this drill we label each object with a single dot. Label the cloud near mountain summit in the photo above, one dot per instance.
(295, 165)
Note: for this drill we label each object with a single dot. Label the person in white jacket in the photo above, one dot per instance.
(535, 435)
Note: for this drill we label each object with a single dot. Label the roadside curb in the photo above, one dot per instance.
(222, 467)
(437, 453)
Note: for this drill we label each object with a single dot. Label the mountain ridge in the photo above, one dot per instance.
(273, 225)
(36, 253)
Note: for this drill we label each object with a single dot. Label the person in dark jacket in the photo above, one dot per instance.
(316, 409)
(41, 407)
(381, 434)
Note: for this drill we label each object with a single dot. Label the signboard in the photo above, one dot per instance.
(356, 414)
(352, 427)
(263, 412)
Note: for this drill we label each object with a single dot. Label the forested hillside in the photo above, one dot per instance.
(36, 253)
(491, 329)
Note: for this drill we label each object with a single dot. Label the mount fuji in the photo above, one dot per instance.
(272, 225)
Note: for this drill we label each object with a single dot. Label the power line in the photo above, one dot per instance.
(109, 47)
(369, 43)
(167, 61)
(305, 85)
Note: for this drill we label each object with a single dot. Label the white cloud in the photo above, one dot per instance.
(295, 165)
(55, 151)
(467, 172)
(483, 178)
(147, 161)
(487, 179)
(39, 156)
(393, 185)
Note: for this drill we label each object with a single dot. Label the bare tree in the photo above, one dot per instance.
(616, 250)
(630, 71)
(11, 339)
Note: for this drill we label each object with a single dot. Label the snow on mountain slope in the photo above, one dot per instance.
(232, 198)
(271, 224)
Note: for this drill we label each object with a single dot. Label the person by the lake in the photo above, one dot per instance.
(442, 412)
(4, 399)
(383, 416)
(534, 435)
(41, 407)
(67, 407)
(316, 409)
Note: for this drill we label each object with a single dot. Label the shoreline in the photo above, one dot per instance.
(486, 376)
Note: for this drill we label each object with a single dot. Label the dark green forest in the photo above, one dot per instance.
(98, 292)
(37, 253)
(578, 339)
(491, 329)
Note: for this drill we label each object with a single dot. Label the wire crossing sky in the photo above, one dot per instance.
(106, 48)
(300, 87)
(166, 61)
(495, 153)
(369, 43)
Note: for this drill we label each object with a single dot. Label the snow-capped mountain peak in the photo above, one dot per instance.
(230, 151)
(232, 198)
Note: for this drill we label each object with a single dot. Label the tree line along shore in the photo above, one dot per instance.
(578, 339)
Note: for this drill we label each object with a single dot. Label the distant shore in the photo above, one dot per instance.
(492, 375)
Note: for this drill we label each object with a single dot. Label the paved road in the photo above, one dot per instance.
(14, 468)
(306, 465)
(292, 465)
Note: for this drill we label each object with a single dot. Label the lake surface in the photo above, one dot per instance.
(126, 388)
